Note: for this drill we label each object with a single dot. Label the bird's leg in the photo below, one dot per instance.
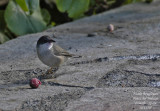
(52, 70)
(50, 73)
(55, 69)
(49, 76)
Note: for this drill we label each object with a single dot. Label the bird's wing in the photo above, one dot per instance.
(60, 52)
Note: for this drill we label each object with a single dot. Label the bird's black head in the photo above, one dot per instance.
(45, 39)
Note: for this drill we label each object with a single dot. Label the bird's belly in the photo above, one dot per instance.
(50, 60)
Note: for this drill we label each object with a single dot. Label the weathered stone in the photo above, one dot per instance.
(114, 69)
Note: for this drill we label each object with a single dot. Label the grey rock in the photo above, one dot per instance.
(114, 71)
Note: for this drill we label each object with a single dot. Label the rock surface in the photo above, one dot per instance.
(119, 70)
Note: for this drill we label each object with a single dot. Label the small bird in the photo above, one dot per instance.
(51, 54)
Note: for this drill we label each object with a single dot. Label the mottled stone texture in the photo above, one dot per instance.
(115, 70)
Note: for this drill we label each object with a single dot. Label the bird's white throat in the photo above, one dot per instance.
(45, 47)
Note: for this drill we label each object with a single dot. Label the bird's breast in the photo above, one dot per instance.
(48, 58)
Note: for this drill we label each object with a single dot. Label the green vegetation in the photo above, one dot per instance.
(25, 20)
(74, 8)
(20, 17)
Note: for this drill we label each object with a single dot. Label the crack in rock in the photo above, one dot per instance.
(153, 57)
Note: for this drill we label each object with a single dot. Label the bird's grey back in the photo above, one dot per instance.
(58, 51)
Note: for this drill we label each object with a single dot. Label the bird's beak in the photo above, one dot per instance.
(52, 41)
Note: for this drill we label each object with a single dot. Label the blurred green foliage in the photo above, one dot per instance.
(3, 37)
(74, 8)
(133, 1)
(27, 16)
(22, 17)
(24, 20)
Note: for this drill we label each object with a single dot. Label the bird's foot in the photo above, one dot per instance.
(51, 70)
(46, 76)
(49, 74)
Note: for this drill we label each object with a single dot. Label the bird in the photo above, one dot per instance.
(50, 53)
